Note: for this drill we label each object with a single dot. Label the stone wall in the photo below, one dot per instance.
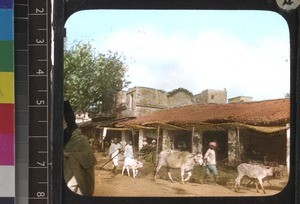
(148, 97)
(141, 101)
(179, 99)
(234, 154)
(166, 141)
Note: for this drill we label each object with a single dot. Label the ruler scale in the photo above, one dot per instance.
(38, 79)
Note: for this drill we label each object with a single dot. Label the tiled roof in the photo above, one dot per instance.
(264, 113)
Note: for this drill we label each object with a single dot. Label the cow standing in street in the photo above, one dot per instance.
(133, 164)
(174, 159)
(256, 172)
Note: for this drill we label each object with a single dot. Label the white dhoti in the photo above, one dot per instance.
(115, 158)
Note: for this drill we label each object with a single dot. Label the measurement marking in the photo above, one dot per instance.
(37, 106)
(37, 44)
(37, 167)
(19, 33)
(23, 111)
(18, 4)
(37, 14)
(42, 152)
(36, 75)
(37, 136)
(21, 50)
(21, 18)
(43, 182)
(42, 90)
(42, 121)
(42, 60)
(40, 29)
(38, 198)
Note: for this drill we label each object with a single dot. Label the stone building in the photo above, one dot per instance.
(138, 101)
(211, 96)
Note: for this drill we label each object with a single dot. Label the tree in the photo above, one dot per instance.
(91, 79)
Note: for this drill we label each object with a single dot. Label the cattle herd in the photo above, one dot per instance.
(185, 161)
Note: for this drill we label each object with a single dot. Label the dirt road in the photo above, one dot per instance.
(107, 184)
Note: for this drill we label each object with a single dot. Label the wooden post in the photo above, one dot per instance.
(133, 144)
(102, 144)
(140, 138)
(192, 140)
(157, 144)
(239, 159)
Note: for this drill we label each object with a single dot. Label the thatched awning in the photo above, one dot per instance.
(207, 127)
(264, 116)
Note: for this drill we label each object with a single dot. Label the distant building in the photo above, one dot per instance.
(138, 101)
(211, 96)
(240, 99)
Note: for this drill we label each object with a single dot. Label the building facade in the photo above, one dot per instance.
(138, 101)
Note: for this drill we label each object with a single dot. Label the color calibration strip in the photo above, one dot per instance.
(7, 106)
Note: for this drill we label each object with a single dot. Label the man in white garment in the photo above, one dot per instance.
(210, 162)
(114, 151)
(128, 150)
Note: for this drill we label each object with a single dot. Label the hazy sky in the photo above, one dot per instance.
(246, 52)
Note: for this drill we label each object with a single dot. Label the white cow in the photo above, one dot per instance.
(183, 160)
(133, 164)
(256, 172)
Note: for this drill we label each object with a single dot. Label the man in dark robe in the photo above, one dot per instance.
(79, 159)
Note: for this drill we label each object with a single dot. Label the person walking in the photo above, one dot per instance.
(128, 150)
(114, 151)
(210, 162)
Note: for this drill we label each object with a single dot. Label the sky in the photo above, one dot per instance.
(245, 52)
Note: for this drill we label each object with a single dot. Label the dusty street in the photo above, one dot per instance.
(107, 184)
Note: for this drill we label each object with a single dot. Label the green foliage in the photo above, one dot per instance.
(92, 79)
